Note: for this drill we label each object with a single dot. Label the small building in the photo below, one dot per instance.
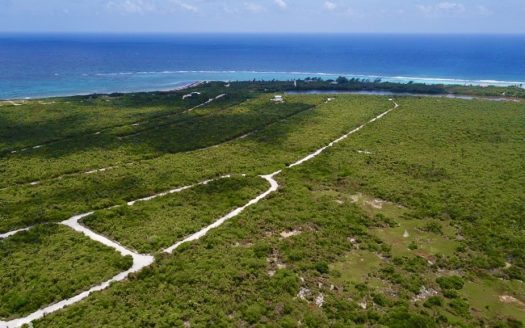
(277, 99)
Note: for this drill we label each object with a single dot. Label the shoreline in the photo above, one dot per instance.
(266, 76)
(183, 86)
(313, 90)
(294, 75)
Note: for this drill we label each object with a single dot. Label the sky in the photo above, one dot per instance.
(268, 16)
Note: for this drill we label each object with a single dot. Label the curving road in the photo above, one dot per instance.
(138, 123)
(141, 261)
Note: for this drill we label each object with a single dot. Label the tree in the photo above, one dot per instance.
(342, 80)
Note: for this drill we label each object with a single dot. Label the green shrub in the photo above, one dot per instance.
(513, 323)
(373, 316)
(460, 307)
(286, 280)
(380, 299)
(434, 227)
(261, 249)
(253, 313)
(450, 293)
(403, 319)
(287, 322)
(452, 282)
(515, 273)
(322, 267)
(434, 301)
(314, 319)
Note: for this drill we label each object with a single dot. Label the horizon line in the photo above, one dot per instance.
(250, 33)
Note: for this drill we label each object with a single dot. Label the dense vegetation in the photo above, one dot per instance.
(48, 264)
(219, 122)
(414, 221)
(269, 149)
(143, 226)
(43, 122)
(355, 84)
(453, 160)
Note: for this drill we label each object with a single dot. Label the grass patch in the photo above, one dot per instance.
(374, 206)
(356, 266)
(496, 299)
(409, 237)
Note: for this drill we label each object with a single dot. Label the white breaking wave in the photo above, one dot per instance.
(294, 74)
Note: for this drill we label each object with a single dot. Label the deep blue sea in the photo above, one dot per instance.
(53, 65)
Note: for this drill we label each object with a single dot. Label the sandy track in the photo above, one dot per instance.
(331, 144)
(104, 169)
(14, 232)
(141, 261)
(199, 234)
(207, 102)
(134, 124)
(130, 203)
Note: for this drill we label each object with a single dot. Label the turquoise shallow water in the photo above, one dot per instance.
(52, 65)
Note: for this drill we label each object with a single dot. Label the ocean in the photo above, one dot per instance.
(57, 65)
